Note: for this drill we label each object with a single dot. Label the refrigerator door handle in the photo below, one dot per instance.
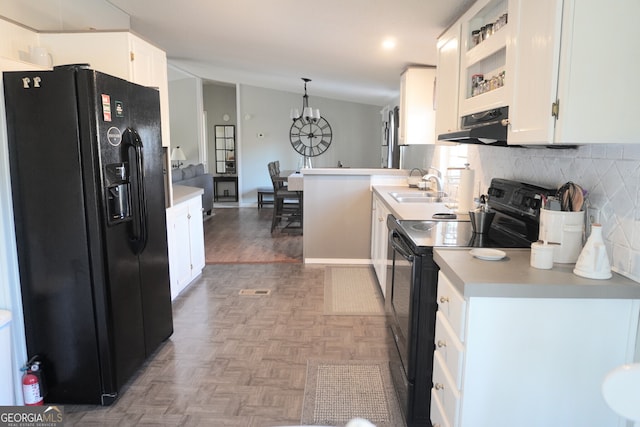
(138, 227)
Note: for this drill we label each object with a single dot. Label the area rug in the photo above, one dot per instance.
(352, 291)
(338, 391)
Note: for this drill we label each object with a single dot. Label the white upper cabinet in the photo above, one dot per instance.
(576, 72)
(567, 69)
(485, 74)
(118, 53)
(447, 81)
(417, 116)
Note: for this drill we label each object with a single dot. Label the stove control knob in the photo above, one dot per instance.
(495, 192)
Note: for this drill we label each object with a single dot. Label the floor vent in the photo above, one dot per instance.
(255, 292)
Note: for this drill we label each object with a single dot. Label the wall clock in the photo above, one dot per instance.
(310, 137)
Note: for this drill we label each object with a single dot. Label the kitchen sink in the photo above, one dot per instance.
(419, 196)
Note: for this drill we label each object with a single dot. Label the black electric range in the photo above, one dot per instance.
(515, 225)
(412, 281)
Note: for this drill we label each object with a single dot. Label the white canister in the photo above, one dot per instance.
(564, 229)
(542, 255)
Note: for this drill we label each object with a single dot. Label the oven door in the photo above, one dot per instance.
(411, 309)
(403, 279)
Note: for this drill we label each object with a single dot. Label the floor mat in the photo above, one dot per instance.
(338, 391)
(352, 291)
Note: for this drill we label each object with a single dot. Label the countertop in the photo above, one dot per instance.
(182, 193)
(513, 277)
(414, 211)
(355, 171)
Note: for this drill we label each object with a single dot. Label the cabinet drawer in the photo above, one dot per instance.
(449, 348)
(438, 417)
(444, 388)
(452, 305)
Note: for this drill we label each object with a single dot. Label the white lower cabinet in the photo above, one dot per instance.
(379, 239)
(438, 416)
(185, 234)
(528, 362)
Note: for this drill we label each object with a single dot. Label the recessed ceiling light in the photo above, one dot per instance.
(388, 43)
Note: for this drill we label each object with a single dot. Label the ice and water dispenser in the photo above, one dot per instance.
(118, 192)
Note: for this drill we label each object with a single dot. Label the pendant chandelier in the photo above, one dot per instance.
(309, 115)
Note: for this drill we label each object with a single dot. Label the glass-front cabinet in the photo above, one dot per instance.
(225, 149)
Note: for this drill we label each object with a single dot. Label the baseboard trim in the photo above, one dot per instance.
(349, 261)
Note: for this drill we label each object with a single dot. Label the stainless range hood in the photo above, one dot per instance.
(487, 127)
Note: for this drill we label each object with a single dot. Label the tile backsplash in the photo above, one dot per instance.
(609, 172)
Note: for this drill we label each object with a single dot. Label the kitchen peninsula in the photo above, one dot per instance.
(337, 211)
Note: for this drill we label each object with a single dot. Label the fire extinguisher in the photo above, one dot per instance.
(31, 385)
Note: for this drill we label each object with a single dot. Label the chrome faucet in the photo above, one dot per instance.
(436, 178)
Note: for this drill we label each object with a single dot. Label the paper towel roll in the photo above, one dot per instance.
(465, 191)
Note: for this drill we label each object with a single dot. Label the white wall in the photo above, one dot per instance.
(185, 112)
(356, 135)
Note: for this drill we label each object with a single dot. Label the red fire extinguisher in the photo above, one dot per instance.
(31, 386)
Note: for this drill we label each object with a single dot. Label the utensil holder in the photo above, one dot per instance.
(565, 230)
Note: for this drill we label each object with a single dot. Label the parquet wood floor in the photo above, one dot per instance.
(240, 360)
(242, 235)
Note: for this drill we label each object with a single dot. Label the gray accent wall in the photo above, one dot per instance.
(219, 99)
(264, 125)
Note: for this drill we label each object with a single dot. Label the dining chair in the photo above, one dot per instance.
(287, 205)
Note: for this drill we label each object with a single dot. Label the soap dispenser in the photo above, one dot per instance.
(593, 262)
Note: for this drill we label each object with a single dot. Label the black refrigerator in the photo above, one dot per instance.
(87, 184)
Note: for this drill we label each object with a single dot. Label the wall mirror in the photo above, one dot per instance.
(225, 149)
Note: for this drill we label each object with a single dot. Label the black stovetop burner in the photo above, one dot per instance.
(516, 224)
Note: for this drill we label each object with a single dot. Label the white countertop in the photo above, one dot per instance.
(513, 277)
(182, 193)
(415, 211)
(355, 171)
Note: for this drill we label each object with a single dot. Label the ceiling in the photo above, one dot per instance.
(336, 43)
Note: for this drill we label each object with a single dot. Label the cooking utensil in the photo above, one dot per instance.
(578, 199)
(571, 197)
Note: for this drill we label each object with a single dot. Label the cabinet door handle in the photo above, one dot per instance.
(442, 343)
(438, 386)
(444, 299)
(188, 216)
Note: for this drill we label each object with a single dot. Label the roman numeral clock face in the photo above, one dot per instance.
(310, 139)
